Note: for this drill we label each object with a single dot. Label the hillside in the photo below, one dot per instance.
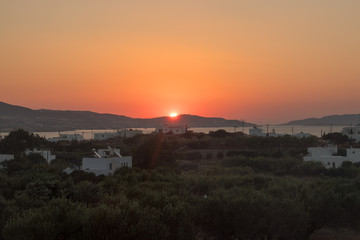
(13, 117)
(340, 120)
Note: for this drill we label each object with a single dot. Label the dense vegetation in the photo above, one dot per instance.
(180, 188)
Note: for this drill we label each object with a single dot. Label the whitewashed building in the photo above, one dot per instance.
(123, 133)
(256, 131)
(327, 156)
(105, 135)
(171, 129)
(127, 133)
(352, 132)
(105, 161)
(301, 135)
(46, 154)
(5, 157)
(67, 137)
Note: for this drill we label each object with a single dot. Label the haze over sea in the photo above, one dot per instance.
(280, 129)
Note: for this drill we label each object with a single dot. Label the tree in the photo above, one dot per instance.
(19, 140)
(59, 219)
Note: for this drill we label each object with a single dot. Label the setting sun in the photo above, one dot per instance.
(174, 114)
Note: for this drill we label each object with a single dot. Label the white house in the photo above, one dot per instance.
(127, 133)
(67, 137)
(123, 133)
(352, 132)
(171, 129)
(325, 155)
(255, 131)
(46, 154)
(105, 161)
(5, 157)
(301, 135)
(105, 135)
(353, 154)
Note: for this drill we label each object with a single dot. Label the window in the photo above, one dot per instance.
(110, 166)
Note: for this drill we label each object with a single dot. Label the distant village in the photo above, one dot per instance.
(106, 161)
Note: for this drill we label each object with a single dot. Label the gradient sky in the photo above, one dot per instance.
(262, 61)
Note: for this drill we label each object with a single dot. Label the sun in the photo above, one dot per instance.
(174, 114)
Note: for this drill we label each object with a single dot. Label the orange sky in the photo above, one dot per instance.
(262, 61)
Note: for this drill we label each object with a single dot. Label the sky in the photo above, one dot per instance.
(260, 61)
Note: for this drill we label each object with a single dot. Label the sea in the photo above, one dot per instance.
(280, 129)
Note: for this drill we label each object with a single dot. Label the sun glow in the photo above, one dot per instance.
(174, 114)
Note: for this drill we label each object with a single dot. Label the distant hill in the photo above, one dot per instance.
(14, 117)
(340, 120)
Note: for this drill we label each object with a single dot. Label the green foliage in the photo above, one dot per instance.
(198, 144)
(86, 192)
(153, 152)
(59, 219)
(196, 155)
(253, 188)
(336, 138)
(20, 140)
(220, 134)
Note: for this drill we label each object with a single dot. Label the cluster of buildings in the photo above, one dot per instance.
(329, 157)
(256, 131)
(104, 161)
(97, 136)
(126, 133)
(46, 154)
(67, 137)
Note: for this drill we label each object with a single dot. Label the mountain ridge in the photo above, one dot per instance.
(336, 120)
(14, 117)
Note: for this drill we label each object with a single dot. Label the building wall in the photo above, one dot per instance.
(327, 161)
(325, 156)
(322, 151)
(106, 166)
(105, 135)
(71, 137)
(353, 154)
(129, 133)
(257, 132)
(67, 137)
(301, 135)
(4, 157)
(122, 133)
(175, 129)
